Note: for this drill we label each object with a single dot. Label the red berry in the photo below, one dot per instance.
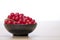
(17, 14)
(9, 22)
(14, 22)
(26, 23)
(9, 16)
(21, 15)
(17, 18)
(30, 22)
(33, 21)
(23, 22)
(5, 22)
(12, 14)
(19, 22)
(30, 19)
(13, 18)
(24, 16)
(27, 18)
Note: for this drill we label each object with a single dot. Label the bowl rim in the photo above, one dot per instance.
(21, 24)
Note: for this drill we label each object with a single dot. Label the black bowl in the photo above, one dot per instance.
(19, 29)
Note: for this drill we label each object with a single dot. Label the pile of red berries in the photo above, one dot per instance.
(16, 18)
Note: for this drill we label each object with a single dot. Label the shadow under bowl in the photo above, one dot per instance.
(20, 29)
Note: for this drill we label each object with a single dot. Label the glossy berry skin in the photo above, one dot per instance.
(17, 14)
(30, 22)
(21, 14)
(14, 22)
(19, 22)
(5, 22)
(12, 14)
(8, 21)
(13, 18)
(16, 18)
(9, 16)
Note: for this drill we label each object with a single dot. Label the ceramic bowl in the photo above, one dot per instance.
(20, 29)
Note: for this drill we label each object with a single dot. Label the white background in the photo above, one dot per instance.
(45, 12)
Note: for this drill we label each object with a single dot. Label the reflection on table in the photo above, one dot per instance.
(15, 38)
(29, 38)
